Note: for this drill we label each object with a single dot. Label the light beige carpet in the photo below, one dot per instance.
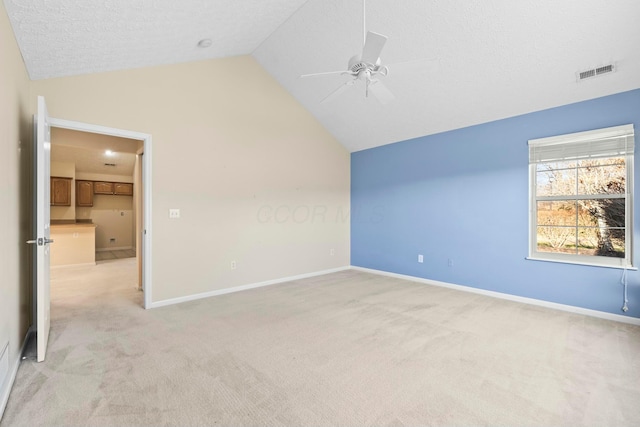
(346, 349)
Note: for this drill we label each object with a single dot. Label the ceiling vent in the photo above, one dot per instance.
(110, 164)
(594, 72)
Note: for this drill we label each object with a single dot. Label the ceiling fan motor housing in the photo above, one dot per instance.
(356, 65)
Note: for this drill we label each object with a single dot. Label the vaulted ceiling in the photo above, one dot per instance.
(451, 63)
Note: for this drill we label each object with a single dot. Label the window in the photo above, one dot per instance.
(581, 197)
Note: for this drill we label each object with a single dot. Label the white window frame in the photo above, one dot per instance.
(563, 147)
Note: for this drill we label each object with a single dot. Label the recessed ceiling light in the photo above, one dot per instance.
(109, 153)
(205, 43)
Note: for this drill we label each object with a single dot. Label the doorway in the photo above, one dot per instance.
(141, 197)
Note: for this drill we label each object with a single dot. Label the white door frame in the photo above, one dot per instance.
(146, 185)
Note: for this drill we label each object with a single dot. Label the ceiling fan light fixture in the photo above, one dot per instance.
(364, 67)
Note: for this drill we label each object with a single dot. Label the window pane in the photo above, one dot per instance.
(602, 179)
(556, 213)
(587, 241)
(602, 231)
(571, 164)
(556, 182)
(601, 242)
(588, 212)
(610, 212)
(556, 239)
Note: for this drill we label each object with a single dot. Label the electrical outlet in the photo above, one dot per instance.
(174, 213)
(420, 258)
(234, 265)
(332, 251)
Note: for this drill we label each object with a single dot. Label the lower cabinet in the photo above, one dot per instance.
(75, 244)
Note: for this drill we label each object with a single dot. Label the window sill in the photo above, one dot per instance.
(619, 267)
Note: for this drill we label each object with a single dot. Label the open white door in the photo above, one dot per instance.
(42, 239)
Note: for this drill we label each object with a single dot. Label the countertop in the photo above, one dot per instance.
(63, 225)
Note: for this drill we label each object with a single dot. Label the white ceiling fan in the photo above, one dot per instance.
(365, 69)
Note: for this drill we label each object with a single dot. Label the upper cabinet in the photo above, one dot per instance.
(86, 189)
(123, 188)
(60, 191)
(84, 193)
(103, 187)
(117, 188)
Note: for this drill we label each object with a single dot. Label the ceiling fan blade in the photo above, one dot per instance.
(373, 47)
(325, 74)
(337, 92)
(381, 92)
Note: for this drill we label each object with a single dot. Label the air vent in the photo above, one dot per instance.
(110, 164)
(605, 69)
(587, 74)
(595, 72)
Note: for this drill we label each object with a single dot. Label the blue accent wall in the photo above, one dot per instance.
(463, 196)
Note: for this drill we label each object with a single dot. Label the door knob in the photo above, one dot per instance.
(40, 241)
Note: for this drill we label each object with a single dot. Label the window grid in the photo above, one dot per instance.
(577, 229)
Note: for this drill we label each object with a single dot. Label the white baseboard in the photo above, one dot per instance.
(6, 391)
(243, 287)
(525, 300)
(115, 248)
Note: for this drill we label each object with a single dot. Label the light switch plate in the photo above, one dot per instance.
(174, 213)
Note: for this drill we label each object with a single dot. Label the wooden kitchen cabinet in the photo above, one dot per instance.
(84, 193)
(123, 188)
(60, 191)
(103, 187)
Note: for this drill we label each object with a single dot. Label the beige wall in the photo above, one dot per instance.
(257, 179)
(113, 216)
(15, 190)
(66, 170)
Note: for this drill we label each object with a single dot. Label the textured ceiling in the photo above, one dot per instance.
(490, 59)
(68, 37)
(478, 60)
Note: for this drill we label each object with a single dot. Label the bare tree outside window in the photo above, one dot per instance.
(581, 206)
